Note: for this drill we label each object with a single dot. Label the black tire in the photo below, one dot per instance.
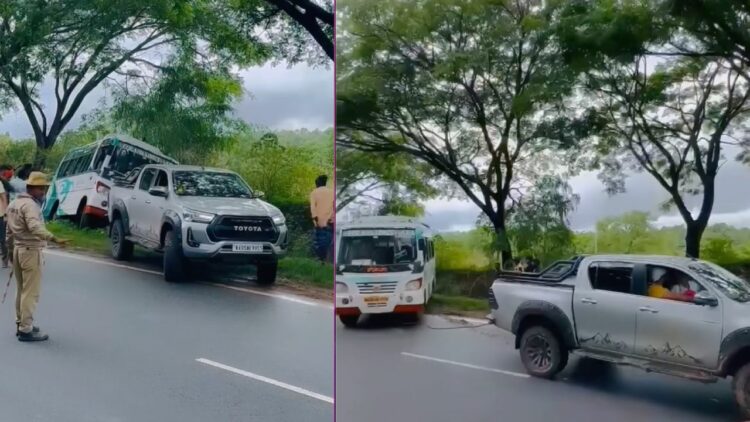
(267, 272)
(82, 220)
(541, 352)
(174, 261)
(741, 390)
(349, 321)
(122, 249)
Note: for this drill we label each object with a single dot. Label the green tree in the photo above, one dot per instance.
(361, 175)
(185, 111)
(289, 23)
(538, 225)
(476, 89)
(628, 233)
(672, 122)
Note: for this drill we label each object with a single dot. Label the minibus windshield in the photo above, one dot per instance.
(377, 247)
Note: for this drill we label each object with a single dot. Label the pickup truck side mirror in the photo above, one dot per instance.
(704, 298)
(259, 194)
(160, 191)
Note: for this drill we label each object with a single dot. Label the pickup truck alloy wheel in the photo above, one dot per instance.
(541, 353)
(122, 249)
(741, 389)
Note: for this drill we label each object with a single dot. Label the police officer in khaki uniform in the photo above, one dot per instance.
(27, 236)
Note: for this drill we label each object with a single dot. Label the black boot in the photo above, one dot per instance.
(35, 329)
(32, 336)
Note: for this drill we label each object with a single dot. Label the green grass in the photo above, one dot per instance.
(94, 240)
(458, 305)
(307, 270)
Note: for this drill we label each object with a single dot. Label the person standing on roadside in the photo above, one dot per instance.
(27, 237)
(6, 173)
(18, 183)
(321, 208)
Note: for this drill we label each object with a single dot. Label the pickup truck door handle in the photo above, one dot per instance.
(132, 197)
(648, 309)
(148, 202)
(588, 300)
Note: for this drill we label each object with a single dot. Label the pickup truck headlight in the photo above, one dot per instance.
(341, 287)
(279, 219)
(198, 216)
(414, 284)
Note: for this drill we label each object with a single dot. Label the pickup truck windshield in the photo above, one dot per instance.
(731, 285)
(378, 247)
(209, 184)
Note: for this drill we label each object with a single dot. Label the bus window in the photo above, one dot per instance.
(101, 155)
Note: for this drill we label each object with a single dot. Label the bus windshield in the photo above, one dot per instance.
(378, 247)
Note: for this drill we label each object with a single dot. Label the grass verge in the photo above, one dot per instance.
(458, 305)
(299, 269)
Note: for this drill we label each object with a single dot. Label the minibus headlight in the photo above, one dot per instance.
(414, 284)
(341, 287)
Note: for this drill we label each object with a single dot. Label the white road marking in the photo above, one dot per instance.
(467, 365)
(271, 381)
(286, 297)
(100, 261)
(276, 295)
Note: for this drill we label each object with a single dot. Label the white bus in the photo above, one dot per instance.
(384, 265)
(82, 182)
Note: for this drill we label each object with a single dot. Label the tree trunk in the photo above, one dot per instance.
(693, 239)
(40, 158)
(501, 237)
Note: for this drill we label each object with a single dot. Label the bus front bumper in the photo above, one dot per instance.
(408, 302)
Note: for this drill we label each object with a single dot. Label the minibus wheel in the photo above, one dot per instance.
(349, 321)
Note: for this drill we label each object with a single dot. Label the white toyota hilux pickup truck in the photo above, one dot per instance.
(673, 315)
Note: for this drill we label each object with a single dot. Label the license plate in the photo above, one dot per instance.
(376, 299)
(247, 248)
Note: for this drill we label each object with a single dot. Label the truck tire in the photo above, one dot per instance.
(267, 272)
(349, 321)
(542, 353)
(122, 248)
(174, 261)
(741, 390)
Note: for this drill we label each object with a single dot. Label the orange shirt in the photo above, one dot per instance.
(658, 291)
(321, 205)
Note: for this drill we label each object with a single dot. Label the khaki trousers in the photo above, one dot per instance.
(27, 266)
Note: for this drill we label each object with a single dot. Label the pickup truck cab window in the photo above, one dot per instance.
(671, 284)
(146, 179)
(612, 276)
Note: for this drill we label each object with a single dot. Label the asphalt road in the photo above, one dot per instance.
(387, 371)
(127, 346)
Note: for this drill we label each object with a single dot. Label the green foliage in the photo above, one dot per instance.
(463, 86)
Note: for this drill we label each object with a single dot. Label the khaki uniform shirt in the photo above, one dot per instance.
(25, 225)
(321, 205)
(3, 204)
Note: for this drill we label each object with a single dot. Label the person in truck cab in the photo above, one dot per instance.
(662, 281)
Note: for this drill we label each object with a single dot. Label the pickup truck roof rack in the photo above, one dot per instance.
(554, 273)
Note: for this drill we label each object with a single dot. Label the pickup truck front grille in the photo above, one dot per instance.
(377, 287)
(248, 229)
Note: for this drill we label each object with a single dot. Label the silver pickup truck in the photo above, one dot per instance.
(196, 214)
(672, 315)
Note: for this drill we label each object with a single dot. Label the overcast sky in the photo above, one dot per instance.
(643, 193)
(276, 97)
